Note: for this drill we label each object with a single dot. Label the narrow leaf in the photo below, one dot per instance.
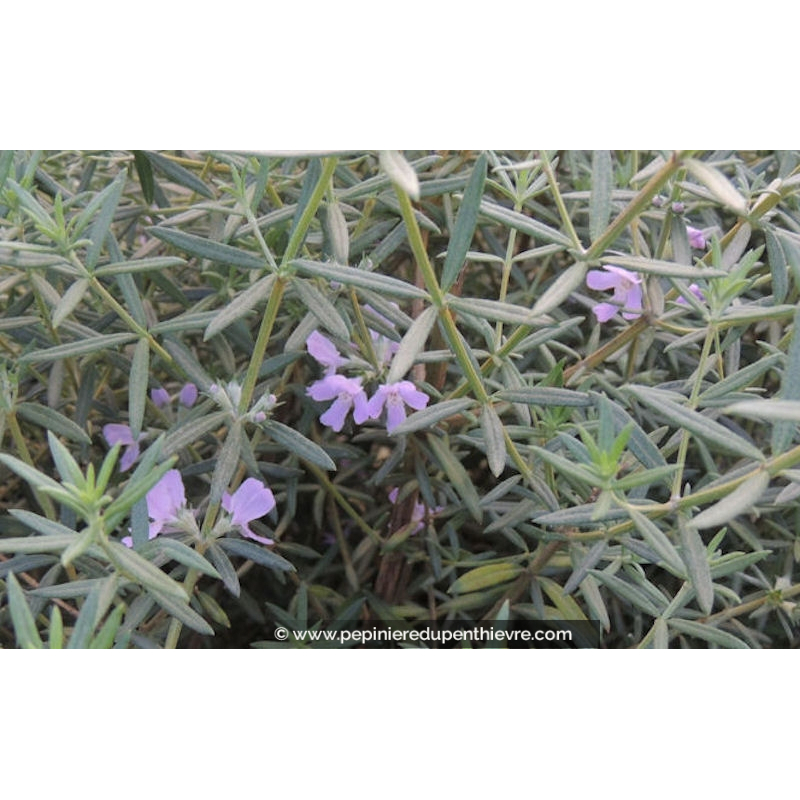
(394, 164)
(21, 616)
(458, 476)
(350, 276)
(206, 248)
(523, 223)
(244, 302)
(694, 555)
(137, 386)
(256, 553)
(412, 344)
(486, 576)
(492, 429)
(178, 174)
(464, 227)
(664, 269)
(322, 308)
(78, 348)
(111, 196)
(428, 417)
(51, 420)
(296, 443)
(717, 184)
(737, 502)
(701, 426)
(545, 396)
(70, 301)
(600, 197)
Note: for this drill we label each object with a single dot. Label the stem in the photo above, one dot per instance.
(44, 501)
(683, 448)
(559, 200)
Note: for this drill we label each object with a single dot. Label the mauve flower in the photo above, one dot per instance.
(627, 292)
(160, 397)
(325, 352)
(116, 433)
(164, 501)
(418, 513)
(188, 395)
(250, 501)
(396, 396)
(346, 393)
(697, 238)
(696, 291)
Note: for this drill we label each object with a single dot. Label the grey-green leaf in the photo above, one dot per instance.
(296, 443)
(694, 555)
(492, 429)
(412, 344)
(737, 502)
(350, 276)
(698, 424)
(466, 221)
(21, 616)
(206, 248)
(600, 198)
(240, 306)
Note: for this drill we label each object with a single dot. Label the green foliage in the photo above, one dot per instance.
(641, 473)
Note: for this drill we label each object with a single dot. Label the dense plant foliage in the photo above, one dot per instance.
(241, 390)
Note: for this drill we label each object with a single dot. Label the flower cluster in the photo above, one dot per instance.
(348, 393)
(168, 512)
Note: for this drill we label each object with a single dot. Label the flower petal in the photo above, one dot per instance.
(412, 396)
(115, 433)
(188, 395)
(165, 499)
(129, 457)
(160, 397)
(605, 311)
(395, 412)
(324, 351)
(250, 501)
(335, 416)
(601, 281)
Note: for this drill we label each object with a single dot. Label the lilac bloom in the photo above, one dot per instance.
(324, 351)
(346, 393)
(164, 503)
(396, 396)
(627, 292)
(418, 514)
(115, 433)
(697, 238)
(160, 397)
(188, 395)
(696, 291)
(250, 501)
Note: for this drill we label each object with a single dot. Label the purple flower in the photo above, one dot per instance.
(164, 501)
(396, 396)
(696, 291)
(188, 395)
(116, 433)
(697, 238)
(627, 292)
(160, 397)
(346, 394)
(325, 352)
(250, 501)
(418, 514)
